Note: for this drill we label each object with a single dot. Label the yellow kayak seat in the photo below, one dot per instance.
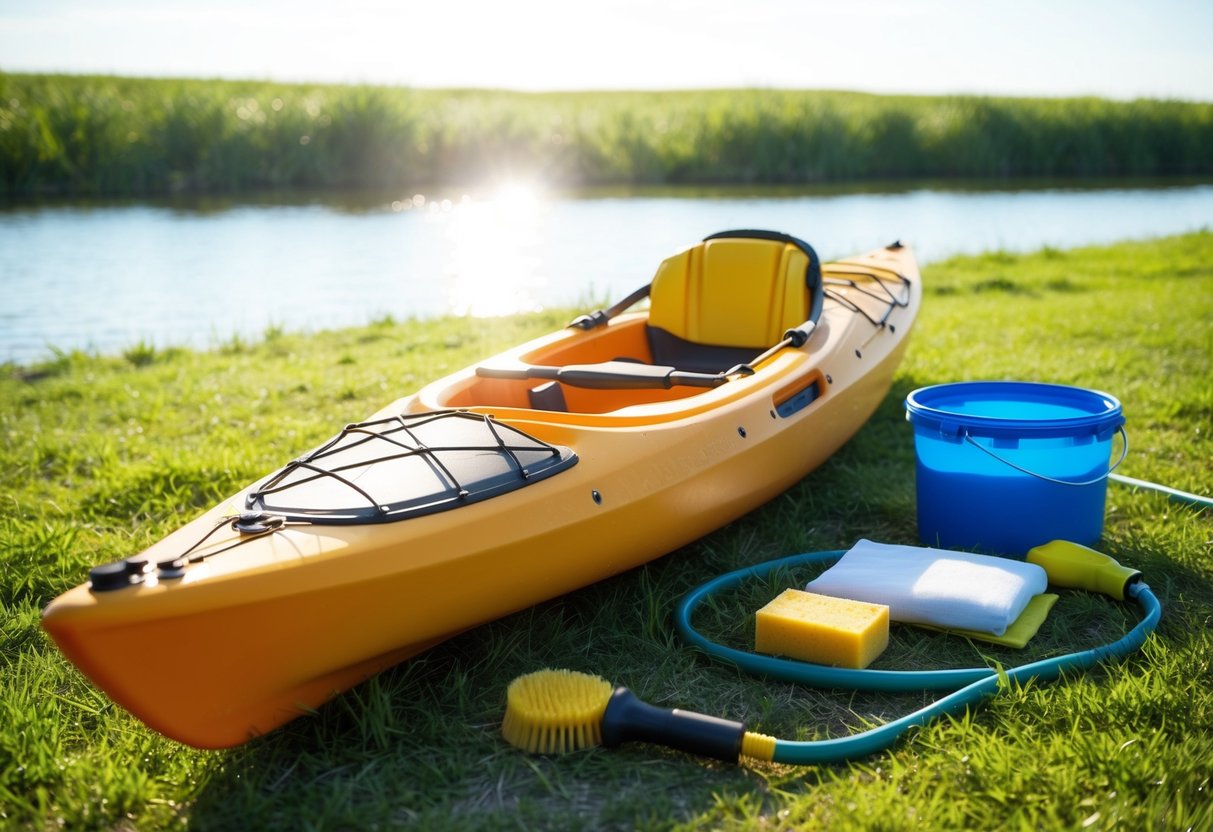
(713, 308)
(724, 300)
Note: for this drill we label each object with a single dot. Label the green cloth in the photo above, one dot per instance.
(1021, 630)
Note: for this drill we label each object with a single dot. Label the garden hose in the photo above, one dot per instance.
(968, 685)
(555, 711)
(1174, 493)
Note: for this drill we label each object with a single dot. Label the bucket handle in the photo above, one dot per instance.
(1124, 451)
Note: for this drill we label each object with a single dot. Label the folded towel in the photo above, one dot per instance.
(953, 590)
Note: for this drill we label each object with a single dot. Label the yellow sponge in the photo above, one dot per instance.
(821, 629)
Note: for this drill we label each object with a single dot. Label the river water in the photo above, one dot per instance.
(105, 277)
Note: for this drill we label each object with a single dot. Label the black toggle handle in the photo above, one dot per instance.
(117, 575)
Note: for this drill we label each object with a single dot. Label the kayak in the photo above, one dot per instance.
(579, 455)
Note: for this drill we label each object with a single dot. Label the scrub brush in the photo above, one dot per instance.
(556, 711)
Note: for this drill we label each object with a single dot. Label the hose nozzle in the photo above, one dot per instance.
(1073, 566)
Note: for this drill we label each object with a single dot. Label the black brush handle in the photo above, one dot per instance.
(627, 719)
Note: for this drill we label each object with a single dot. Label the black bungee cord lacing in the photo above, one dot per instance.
(884, 295)
(123, 573)
(383, 429)
(445, 491)
(250, 524)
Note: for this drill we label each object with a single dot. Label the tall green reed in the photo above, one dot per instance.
(126, 136)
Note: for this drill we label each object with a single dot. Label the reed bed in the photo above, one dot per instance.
(113, 136)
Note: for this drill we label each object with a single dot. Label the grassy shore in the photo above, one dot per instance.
(103, 455)
(88, 135)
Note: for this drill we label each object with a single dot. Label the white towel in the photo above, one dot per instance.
(953, 590)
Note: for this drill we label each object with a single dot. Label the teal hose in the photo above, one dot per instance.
(1173, 493)
(968, 685)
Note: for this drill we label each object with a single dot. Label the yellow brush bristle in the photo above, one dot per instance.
(554, 711)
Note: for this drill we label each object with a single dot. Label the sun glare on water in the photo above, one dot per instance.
(495, 265)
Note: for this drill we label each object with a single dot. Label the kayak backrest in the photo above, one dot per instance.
(740, 294)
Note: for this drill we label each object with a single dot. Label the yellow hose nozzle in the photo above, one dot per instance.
(1073, 566)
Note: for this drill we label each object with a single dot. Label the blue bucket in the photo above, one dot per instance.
(1003, 466)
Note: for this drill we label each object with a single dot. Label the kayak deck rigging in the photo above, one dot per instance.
(888, 289)
(458, 458)
(405, 466)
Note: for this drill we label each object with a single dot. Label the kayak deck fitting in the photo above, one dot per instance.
(633, 433)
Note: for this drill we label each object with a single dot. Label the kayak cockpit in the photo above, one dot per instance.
(573, 372)
(715, 309)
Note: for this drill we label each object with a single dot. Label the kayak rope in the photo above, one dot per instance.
(885, 296)
(319, 464)
(133, 570)
(250, 524)
(968, 685)
(259, 520)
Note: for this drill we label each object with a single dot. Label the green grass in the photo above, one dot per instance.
(114, 136)
(102, 455)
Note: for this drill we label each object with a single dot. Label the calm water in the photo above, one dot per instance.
(107, 277)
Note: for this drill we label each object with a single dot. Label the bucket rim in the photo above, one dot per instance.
(927, 406)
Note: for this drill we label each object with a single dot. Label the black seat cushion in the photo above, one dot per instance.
(671, 351)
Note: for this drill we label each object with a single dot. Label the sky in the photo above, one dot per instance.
(1116, 48)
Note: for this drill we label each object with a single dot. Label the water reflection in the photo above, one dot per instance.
(106, 276)
(496, 263)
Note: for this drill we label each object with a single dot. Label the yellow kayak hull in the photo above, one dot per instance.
(257, 634)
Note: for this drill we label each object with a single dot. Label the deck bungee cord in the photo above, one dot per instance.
(554, 711)
(507, 460)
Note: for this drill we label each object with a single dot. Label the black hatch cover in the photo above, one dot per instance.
(407, 466)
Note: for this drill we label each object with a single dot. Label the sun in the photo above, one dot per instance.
(496, 264)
